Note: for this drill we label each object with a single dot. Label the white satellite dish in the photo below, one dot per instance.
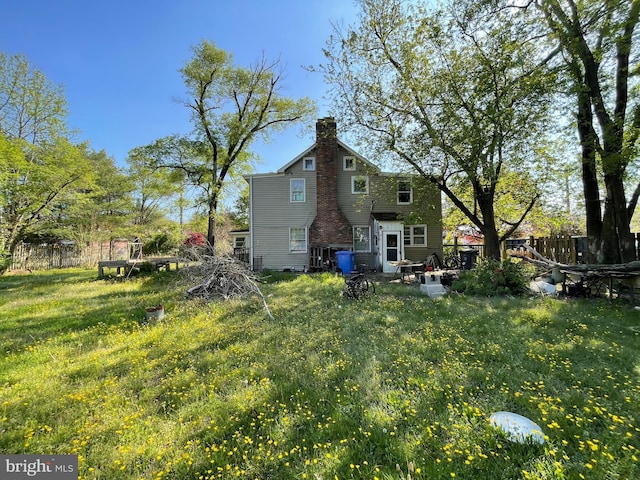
(518, 428)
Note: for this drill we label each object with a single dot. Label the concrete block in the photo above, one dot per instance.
(433, 289)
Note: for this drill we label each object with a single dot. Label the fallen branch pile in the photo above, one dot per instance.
(220, 277)
(544, 262)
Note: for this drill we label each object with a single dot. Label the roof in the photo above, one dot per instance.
(308, 150)
(385, 216)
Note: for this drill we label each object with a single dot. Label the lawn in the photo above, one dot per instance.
(395, 386)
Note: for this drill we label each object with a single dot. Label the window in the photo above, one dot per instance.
(359, 184)
(309, 163)
(297, 189)
(405, 192)
(415, 235)
(297, 240)
(239, 242)
(362, 239)
(349, 163)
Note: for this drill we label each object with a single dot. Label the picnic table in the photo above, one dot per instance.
(407, 269)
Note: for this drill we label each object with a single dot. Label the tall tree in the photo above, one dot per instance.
(98, 209)
(453, 93)
(43, 164)
(37, 180)
(153, 188)
(31, 107)
(231, 106)
(600, 53)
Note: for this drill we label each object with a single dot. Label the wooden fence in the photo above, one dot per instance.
(29, 256)
(562, 248)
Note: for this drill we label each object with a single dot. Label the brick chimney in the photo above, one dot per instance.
(330, 227)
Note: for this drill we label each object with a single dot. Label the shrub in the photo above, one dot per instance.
(160, 243)
(492, 278)
(195, 239)
(5, 261)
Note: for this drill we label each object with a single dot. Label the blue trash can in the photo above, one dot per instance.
(346, 261)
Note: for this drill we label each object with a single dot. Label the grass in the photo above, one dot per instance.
(396, 386)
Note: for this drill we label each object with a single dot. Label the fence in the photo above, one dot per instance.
(562, 248)
(61, 255)
(456, 247)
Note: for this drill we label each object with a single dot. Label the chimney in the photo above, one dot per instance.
(330, 227)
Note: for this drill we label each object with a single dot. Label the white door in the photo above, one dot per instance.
(391, 250)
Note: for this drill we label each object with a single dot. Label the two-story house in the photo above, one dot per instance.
(330, 199)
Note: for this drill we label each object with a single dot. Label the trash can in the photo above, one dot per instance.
(468, 258)
(346, 261)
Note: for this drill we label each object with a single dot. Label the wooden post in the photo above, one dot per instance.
(532, 243)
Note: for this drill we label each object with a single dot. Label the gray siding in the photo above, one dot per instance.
(426, 207)
(273, 213)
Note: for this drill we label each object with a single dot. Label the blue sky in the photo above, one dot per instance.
(118, 61)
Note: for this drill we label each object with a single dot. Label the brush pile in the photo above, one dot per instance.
(213, 277)
(631, 268)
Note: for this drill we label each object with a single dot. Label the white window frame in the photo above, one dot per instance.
(292, 191)
(410, 191)
(410, 235)
(244, 241)
(312, 165)
(354, 179)
(352, 166)
(368, 239)
(291, 239)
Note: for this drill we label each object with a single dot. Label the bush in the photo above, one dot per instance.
(195, 239)
(160, 243)
(5, 261)
(492, 278)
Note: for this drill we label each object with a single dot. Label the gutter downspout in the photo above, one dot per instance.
(251, 222)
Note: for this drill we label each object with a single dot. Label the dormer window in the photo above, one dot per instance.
(309, 163)
(349, 164)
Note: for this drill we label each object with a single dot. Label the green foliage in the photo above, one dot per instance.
(493, 278)
(456, 93)
(40, 169)
(5, 261)
(232, 106)
(153, 188)
(589, 35)
(32, 108)
(161, 243)
(98, 209)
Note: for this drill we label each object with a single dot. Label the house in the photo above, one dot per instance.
(330, 199)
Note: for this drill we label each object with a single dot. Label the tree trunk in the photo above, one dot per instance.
(211, 223)
(211, 226)
(488, 227)
(492, 244)
(619, 245)
(590, 188)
